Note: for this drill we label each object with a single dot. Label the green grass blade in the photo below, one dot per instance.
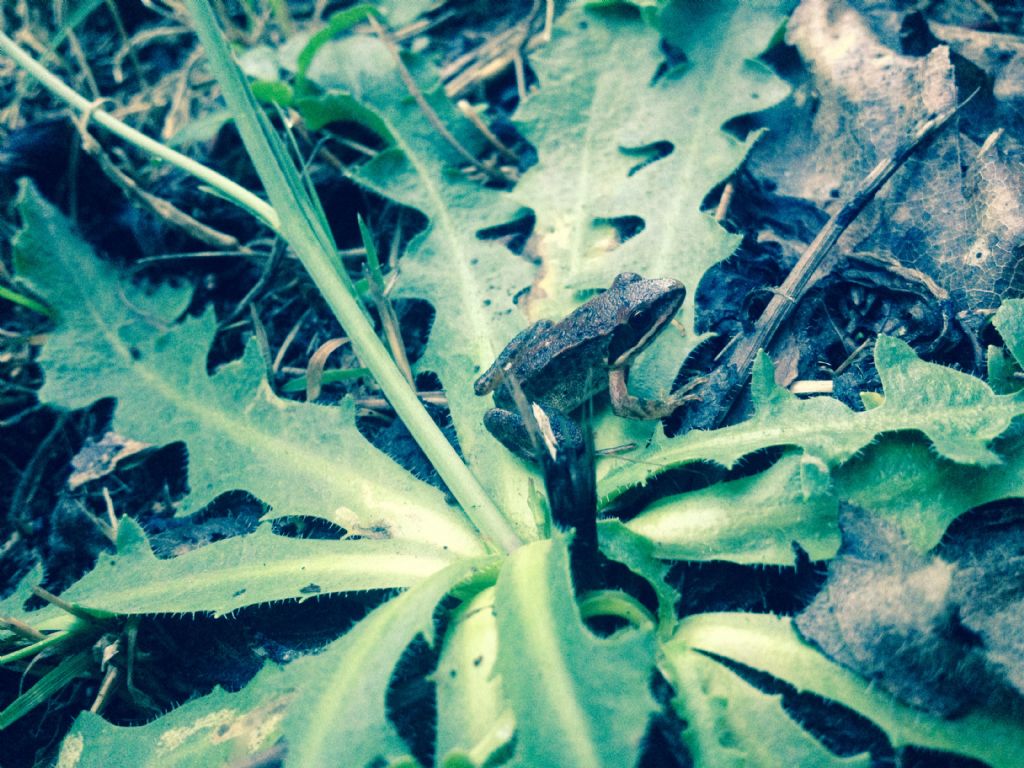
(310, 239)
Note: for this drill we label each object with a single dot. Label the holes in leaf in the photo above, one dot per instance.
(514, 234)
(415, 318)
(622, 229)
(235, 513)
(741, 126)
(675, 60)
(411, 699)
(307, 527)
(648, 153)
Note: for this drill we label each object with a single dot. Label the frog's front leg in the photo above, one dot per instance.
(632, 407)
(510, 429)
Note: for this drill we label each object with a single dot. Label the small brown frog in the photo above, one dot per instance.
(561, 365)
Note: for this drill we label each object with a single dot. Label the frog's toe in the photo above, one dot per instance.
(689, 393)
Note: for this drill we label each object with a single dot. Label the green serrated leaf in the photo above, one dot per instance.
(246, 570)
(731, 724)
(752, 520)
(115, 339)
(341, 718)
(642, 150)
(1009, 321)
(578, 700)
(902, 479)
(643, 142)
(329, 708)
(639, 554)
(958, 412)
(770, 644)
(473, 719)
(213, 730)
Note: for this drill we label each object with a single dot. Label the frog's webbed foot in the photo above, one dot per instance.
(511, 430)
(632, 407)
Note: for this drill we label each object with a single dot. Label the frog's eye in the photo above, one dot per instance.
(642, 319)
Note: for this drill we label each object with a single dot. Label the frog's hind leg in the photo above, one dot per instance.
(510, 428)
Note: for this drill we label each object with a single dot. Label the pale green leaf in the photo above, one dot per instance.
(643, 148)
(958, 412)
(639, 554)
(470, 282)
(1009, 321)
(752, 520)
(902, 479)
(474, 721)
(212, 731)
(328, 708)
(245, 570)
(644, 140)
(599, 109)
(1003, 371)
(341, 718)
(578, 700)
(115, 339)
(770, 644)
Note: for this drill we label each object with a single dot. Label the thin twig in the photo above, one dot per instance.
(159, 207)
(852, 356)
(103, 694)
(111, 514)
(21, 629)
(127, 48)
(721, 387)
(518, 62)
(269, 267)
(288, 341)
(178, 107)
(83, 61)
(723, 202)
(380, 404)
(471, 114)
(432, 116)
(64, 605)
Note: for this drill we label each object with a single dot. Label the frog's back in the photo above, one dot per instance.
(571, 365)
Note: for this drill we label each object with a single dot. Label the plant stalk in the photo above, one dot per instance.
(311, 242)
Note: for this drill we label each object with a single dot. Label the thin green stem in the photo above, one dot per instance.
(229, 189)
(25, 652)
(23, 300)
(302, 225)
